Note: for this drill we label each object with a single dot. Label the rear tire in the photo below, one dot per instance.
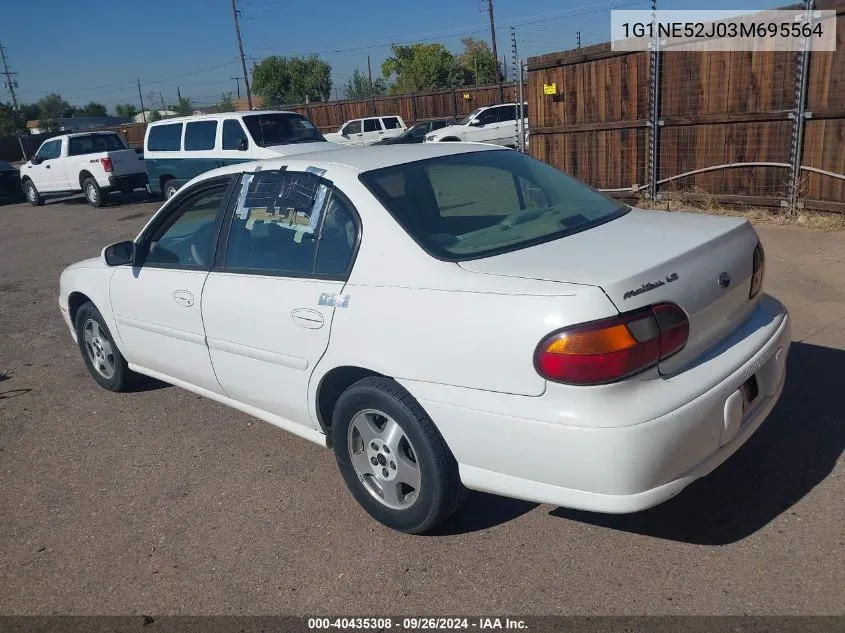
(170, 188)
(103, 359)
(95, 196)
(392, 458)
(33, 197)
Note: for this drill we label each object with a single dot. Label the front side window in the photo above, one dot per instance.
(488, 116)
(234, 136)
(50, 150)
(372, 125)
(184, 239)
(165, 138)
(200, 135)
(476, 204)
(91, 143)
(391, 122)
(281, 128)
(289, 223)
(353, 127)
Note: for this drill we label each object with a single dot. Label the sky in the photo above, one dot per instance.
(96, 51)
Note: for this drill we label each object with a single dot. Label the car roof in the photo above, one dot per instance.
(362, 159)
(220, 115)
(92, 133)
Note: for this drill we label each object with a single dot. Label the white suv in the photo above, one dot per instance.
(367, 131)
(492, 124)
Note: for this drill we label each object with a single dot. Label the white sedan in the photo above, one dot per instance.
(448, 316)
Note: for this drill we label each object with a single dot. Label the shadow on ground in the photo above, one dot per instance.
(482, 511)
(792, 452)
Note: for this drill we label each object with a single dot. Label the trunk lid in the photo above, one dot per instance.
(646, 257)
(126, 161)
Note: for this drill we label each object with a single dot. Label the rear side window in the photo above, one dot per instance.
(94, 143)
(391, 122)
(200, 135)
(165, 138)
(507, 113)
(371, 125)
(234, 136)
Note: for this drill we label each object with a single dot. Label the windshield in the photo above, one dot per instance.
(281, 128)
(469, 117)
(471, 205)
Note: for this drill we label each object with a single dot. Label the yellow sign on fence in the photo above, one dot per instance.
(550, 89)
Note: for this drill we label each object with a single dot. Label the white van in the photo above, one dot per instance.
(176, 150)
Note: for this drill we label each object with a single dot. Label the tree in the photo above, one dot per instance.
(92, 109)
(153, 115)
(358, 86)
(184, 107)
(476, 64)
(226, 103)
(288, 80)
(127, 110)
(420, 67)
(50, 109)
(8, 121)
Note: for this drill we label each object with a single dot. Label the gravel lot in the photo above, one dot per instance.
(163, 502)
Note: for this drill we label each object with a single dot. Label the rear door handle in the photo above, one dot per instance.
(183, 298)
(307, 318)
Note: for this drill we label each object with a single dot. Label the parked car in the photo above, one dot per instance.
(179, 149)
(417, 132)
(448, 316)
(95, 163)
(10, 183)
(491, 124)
(367, 131)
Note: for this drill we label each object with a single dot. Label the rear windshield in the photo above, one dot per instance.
(466, 206)
(95, 143)
(281, 129)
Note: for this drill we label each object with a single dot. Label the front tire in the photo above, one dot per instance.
(32, 194)
(95, 196)
(103, 359)
(392, 458)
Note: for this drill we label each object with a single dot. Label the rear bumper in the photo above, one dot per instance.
(616, 469)
(129, 181)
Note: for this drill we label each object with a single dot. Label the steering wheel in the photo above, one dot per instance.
(199, 244)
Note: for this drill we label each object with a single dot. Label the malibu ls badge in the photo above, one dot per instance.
(650, 285)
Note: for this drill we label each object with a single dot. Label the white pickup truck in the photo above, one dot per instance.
(91, 162)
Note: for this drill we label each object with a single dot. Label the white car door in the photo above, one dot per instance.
(43, 174)
(485, 128)
(268, 303)
(156, 302)
(352, 133)
(506, 126)
(373, 131)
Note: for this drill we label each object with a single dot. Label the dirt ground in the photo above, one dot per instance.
(163, 502)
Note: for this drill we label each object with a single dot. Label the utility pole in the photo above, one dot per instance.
(578, 38)
(243, 59)
(10, 83)
(143, 114)
(163, 107)
(493, 36)
(178, 94)
(238, 83)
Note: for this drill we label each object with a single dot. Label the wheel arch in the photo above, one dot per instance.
(162, 180)
(332, 385)
(76, 300)
(83, 176)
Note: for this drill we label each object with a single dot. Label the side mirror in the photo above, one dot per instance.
(476, 123)
(35, 160)
(243, 145)
(120, 254)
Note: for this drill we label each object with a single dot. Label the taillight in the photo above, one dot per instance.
(106, 162)
(759, 271)
(611, 349)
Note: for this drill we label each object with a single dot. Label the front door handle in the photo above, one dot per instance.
(306, 318)
(47, 166)
(183, 298)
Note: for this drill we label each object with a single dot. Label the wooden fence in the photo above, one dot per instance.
(726, 122)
